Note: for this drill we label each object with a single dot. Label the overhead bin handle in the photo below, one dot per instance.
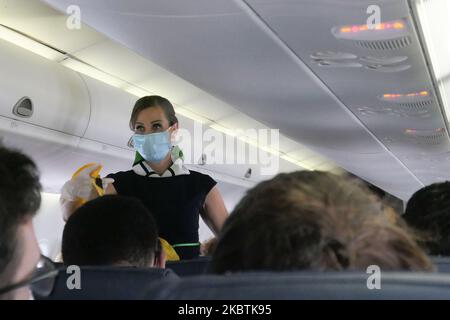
(23, 108)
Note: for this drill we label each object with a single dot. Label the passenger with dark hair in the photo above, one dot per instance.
(315, 221)
(175, 195)
(112, 230)
(20, 198)
(428, 212)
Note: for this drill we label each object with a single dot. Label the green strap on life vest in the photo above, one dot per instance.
(186, 245)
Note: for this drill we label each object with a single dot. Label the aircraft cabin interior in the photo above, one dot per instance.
(259, 88)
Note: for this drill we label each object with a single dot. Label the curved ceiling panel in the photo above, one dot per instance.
(401, 108)
(258, 56)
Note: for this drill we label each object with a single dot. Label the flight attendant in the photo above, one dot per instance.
(175, 195)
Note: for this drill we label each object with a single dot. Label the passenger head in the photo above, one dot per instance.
(392, 206)
(428, 211)
(112, 230)
(20, 198)
(316, 221)
(152, 114)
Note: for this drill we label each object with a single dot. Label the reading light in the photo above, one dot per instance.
(381, 26)
(433, 137)
(424, 132)
(406, 97)
(381, 31)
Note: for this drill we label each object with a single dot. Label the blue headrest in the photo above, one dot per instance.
(302, 285)
(192, 267)
(108, 283)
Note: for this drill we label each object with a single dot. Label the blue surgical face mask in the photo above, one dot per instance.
(154, 147)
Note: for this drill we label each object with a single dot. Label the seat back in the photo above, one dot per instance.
(442, 264)
(107, 283)
(192, 267)
(303, 285)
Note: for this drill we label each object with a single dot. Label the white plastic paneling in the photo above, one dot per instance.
(110, 113)
(60, 98)
(49, 225)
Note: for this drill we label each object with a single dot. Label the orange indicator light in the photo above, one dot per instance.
(397, 25)
(414, 94)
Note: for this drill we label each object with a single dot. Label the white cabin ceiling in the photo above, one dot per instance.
(127, 70)
(254, 57)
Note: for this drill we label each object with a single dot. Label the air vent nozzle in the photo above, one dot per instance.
(390, 35)
(389, 68)
(342, 64)
(384, 61)
(398, 111)
(427, 137)
(331, 55)
(23, 108)
(419, 107)
(385, 45)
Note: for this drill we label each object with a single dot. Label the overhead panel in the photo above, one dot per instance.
(140, 76)
(56, 98)
(78, 119)
(246, 68)
(40, 20)
(220, 47)
(395, 97)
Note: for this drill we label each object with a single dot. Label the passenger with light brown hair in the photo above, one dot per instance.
(313, 221)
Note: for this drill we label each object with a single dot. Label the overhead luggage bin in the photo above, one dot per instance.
(41, 92)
